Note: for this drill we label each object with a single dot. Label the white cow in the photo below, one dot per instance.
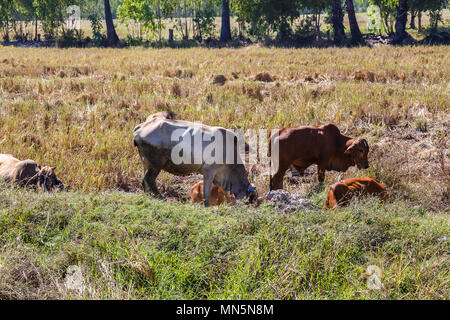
(182, 148)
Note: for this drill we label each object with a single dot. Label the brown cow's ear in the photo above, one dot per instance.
(364, 143)
(349, 149)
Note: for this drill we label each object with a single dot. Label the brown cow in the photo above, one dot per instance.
(322, 145)
(217, 197)
(28, 173)
(341, 192)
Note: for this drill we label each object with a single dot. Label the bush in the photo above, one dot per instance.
(71, 38)
(133, 41)
(99, 39)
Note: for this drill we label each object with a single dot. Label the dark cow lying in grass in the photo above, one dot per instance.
(154, 141)
(28, 173)
(341, 192)
(322, 145)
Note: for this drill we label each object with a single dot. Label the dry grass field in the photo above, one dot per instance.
(76, 109)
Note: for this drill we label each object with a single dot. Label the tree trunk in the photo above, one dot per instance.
(113, 39)
(402, 19)
(337, 20)
(6, 30)
(356, 33)
(318, 26)
(185, 22)
(35, 28)
(419, 21)
(225, 31)
(412, 24)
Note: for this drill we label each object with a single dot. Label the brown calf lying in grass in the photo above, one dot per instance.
(28, 173)
(217, 197)
(341, 192)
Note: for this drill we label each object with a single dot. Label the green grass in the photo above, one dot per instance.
(133, 246)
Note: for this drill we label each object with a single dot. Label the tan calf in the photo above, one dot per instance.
(217, 197)
(341, 192)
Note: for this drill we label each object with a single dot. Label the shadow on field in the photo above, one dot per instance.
(441, 36)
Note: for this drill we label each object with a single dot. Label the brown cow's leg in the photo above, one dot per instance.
(300, 170)
(321, 174)
(149, 182)
(330, 201)
(276, 182)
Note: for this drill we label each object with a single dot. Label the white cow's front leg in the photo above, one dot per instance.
(208, 178)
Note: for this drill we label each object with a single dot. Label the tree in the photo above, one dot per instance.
(434, 8)
(27, 12)
(138, 12)
(164, 9)
(113, 39)
(400, 24)
(7, 8)
(415, 8)
(387, 10)
(316, 7)
(354, 28)
(225, 31)
(266, 15)
(337, 18)
(204, 17)
(51, 14)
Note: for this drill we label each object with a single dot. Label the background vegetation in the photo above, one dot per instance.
(289, 22)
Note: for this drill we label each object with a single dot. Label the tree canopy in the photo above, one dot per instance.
(195, 19)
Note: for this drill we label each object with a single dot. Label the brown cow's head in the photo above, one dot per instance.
(358, 152)
(46, 179)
